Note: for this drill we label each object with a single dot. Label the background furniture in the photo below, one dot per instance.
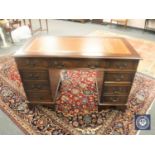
(10, 25)
(147, 24)
(29, 22)
(41, 61)
(97, 21)
(79, 20)
(13, 24)
(120, 21)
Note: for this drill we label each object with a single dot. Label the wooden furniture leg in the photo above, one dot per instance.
(40, 25)
(47, 24)
(30, 23)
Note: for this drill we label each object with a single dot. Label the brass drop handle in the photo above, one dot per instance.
(33, 76)
(58, 65)
(39, 86)
(32, 63)
(114, 99)
(119, 78)
(92, 66)
(52, 63)
(27, 62)
(33, 86)
(122, 65)
(117, 90)
(40, 97)
(55, 63)
(36, 86)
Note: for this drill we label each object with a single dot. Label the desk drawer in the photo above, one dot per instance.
(36, 85)
(116, 90)
(32, 63)
(42, 96)
(34, 75)
(76, 63)
(115, 99)
(118, 76)
(121, 64)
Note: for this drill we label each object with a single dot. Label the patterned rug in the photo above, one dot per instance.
(78, 93)
(42, 120)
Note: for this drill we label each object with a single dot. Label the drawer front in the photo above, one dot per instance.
(36, 85)
(116, 90)
(115, 99)
(76, 63)
(118, 77)
(45, 63)
(33, 75)
(32, 63)
(121, 64)
(42, 96)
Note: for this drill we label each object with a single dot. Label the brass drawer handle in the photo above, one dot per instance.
(119, 78)
(33, 76)
(92, 66)
(39, 86)
(58, 65)
(31, 63)
(55, 63)
(122, 65)
(36, 86)
(50, 64)
(27, 62)
(114, 99)
(117, 90)
(40, 97)
(61, 66)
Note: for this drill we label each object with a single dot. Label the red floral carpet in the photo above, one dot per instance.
(79, 114)
(78, 93)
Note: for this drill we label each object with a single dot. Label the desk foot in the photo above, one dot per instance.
(50, 106)
(115, 107)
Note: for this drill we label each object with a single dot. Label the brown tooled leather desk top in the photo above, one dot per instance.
(78, 47)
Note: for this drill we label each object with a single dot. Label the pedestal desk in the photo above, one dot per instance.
(40, 61)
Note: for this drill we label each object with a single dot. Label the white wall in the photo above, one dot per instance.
(139, 23)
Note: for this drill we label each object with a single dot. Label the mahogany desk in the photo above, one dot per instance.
(41, 60)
